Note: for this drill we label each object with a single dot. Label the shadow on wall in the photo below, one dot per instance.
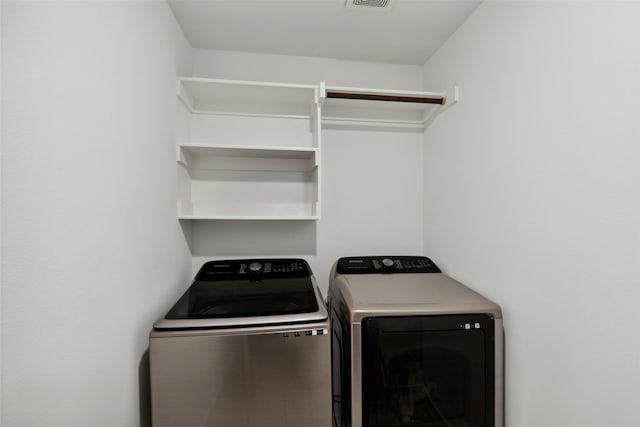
(144, 376)
(237, 238)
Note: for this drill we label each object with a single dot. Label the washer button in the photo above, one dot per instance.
(255, 267)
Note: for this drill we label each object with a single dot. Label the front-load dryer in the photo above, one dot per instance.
(412, 347)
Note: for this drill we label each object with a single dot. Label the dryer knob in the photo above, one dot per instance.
(255, 267)
(388, 262)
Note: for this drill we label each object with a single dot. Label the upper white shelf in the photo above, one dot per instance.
(238, 97)
(362, 107)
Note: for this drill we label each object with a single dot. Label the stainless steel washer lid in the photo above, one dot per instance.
(248, 292)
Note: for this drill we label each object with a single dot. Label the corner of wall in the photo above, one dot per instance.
(183, 49)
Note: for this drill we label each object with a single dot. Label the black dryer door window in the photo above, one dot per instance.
(428, 371)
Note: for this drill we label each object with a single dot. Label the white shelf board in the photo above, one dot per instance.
(337, 122)
(251, 98)
(275, 211)
(248, 158)
(267, 112)
(249, 151)
(249, 218)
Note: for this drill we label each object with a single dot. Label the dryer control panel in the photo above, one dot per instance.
(386, 264)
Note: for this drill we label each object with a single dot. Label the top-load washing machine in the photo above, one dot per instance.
(247, 345)
(412, 347)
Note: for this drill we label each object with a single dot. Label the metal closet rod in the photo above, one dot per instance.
(394, 98)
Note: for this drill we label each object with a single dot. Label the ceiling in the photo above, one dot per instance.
(404, 32)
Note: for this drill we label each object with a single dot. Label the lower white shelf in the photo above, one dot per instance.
(247, 183)
(274, 211)
(248, 218)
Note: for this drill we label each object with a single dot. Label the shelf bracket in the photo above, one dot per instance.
(451, 97)
(322, 94)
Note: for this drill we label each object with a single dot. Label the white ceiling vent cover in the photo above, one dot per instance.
(380, 5)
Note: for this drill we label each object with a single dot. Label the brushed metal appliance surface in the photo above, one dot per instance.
(269, 378)
(251, 371)
(379, 287)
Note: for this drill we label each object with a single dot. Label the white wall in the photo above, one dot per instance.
(304, 70)
(532, 198)
(371, 181)
(91, 249)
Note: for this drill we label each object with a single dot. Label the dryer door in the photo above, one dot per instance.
(428, 371)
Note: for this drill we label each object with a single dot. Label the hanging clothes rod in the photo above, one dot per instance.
(392, 98)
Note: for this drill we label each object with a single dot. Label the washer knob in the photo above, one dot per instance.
(255, 267)
(388, 262)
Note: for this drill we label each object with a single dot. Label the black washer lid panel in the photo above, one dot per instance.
(386, 264)
(245, 288)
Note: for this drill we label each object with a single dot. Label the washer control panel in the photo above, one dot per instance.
(385, 264)
(243, 269)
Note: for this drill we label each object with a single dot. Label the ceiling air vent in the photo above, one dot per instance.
(368, 4)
